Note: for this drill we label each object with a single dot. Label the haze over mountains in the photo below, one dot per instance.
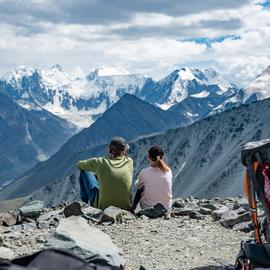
(189, 95)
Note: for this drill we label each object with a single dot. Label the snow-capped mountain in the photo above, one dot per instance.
(203, 93)
(82, 99)
(192, 93)
(77, 99)
(259, 88)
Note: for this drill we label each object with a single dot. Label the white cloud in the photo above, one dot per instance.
(149, 42)
(242, 59)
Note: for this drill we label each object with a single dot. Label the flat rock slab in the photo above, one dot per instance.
(231, 219)
(94, 246)
(32, 209)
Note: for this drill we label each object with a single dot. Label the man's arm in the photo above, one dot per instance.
(91, 164)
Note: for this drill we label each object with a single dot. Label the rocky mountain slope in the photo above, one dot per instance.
(81, 99)
(27, 136)
(204, 157)
(130, 117)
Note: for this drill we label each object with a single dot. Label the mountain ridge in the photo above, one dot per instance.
(129, 117)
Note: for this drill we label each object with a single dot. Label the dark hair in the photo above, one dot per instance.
(156, 155)
(118, 147)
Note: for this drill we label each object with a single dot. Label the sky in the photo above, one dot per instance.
(149, 37)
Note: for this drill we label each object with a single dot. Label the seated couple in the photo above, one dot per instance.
(107, 181)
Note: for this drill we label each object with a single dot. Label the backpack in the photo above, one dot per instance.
(256, 158)
(51, 259)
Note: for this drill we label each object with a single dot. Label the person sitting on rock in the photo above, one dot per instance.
(112, 184)
(154, 184)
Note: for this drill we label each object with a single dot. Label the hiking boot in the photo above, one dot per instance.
(73, 209)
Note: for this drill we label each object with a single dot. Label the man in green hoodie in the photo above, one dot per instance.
(112, 186)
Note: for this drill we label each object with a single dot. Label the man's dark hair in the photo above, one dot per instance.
(118, 146)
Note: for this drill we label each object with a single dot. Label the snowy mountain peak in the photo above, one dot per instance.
(207, 76)
(15, 75)
(258, 89)
(186, 74)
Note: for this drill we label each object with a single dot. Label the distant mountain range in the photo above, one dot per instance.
(83, 99)
(129, 117)
(28, 136)
(189, 95)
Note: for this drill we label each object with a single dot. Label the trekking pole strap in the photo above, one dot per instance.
(251, 184)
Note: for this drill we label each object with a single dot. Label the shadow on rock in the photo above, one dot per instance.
(209, 267)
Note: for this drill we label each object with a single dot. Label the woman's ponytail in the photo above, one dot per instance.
(160, 163)
(156, 156)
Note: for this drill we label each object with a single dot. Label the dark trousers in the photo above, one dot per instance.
(137, 197)
(89, 187)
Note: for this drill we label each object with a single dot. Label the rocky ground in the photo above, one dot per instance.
(178, 243)
(200, 234)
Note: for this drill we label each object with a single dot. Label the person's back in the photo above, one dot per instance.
(115, 179)
(157, 186)
(114, 175)
(154, 182)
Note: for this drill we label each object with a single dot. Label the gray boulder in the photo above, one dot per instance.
(217, 214)
(244, 227)
(8, 219)
(232, 217)
(211, 205)
(92, 213)
(92, 245)
(178, 203)
(114, 214)
(154, 212)
(192, 213)
(205, 211)
(32, 209)
(49, 219)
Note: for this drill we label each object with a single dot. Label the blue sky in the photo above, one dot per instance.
(150, 37)
(208, 41)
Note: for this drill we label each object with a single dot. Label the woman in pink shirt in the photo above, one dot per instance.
(154, 183)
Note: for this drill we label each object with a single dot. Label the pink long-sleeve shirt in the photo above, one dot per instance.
(157, 187)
